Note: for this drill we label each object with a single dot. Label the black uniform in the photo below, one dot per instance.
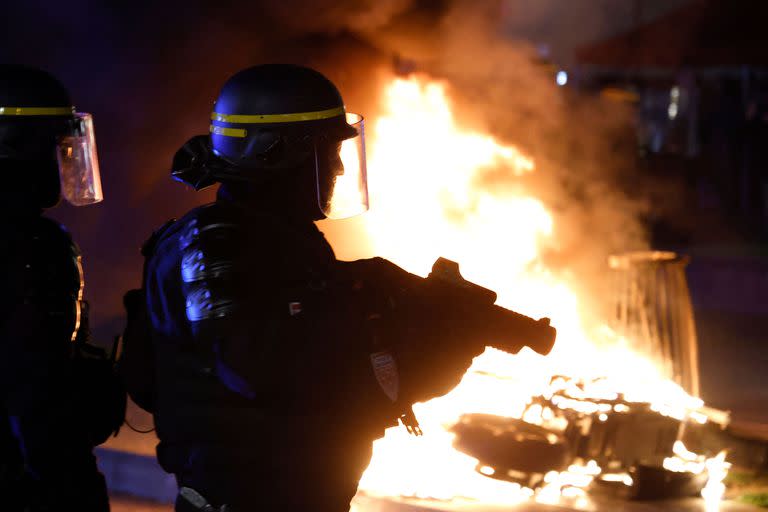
(264, 391)
(47, 444)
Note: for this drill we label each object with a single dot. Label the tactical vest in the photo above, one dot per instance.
(262, 366)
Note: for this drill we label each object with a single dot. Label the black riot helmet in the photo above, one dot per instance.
(46, 148)
(278, 123)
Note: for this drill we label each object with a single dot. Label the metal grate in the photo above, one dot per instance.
(654, 312)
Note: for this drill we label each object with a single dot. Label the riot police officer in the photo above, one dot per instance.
(47, 432)
(259, 357)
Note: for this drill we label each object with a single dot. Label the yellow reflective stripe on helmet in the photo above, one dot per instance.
(37, 111)
(277, 118)
(228, 132)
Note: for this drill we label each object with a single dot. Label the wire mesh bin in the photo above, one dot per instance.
(654, 312)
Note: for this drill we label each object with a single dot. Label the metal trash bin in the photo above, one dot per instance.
(653, 311)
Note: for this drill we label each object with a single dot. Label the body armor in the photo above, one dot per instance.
(262, 373)
(268, 368)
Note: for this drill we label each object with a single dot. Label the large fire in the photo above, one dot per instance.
(426, 203)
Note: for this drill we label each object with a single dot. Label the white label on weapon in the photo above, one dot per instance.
(385, 369)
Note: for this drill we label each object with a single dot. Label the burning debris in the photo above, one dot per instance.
(598, 414)
(632, 447)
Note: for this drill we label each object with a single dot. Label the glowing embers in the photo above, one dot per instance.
(713, 469)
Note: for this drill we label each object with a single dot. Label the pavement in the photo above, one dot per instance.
(363, 503)
(129, 473)
(371, 504)
(127, 504)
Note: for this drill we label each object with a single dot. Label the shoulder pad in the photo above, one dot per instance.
(209, 241)
(49, 260)
(50, 233)
(44, 269)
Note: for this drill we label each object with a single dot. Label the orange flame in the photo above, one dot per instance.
(426, 202)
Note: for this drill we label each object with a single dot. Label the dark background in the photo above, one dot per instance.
(149, 74)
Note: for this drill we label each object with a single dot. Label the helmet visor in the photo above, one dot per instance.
(79, 163)
(342, 183)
